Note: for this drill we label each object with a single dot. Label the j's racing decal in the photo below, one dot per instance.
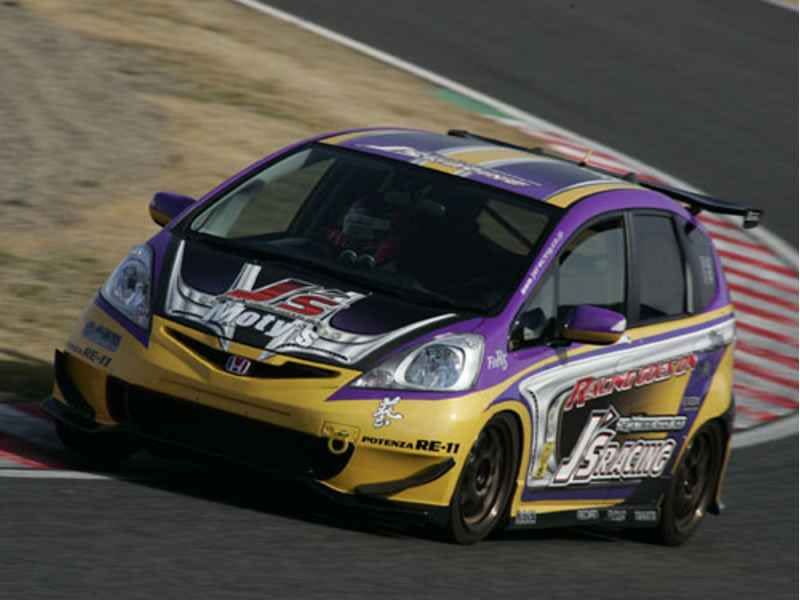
(591, 387)
(599, 457)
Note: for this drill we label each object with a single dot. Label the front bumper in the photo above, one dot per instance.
(175, 390)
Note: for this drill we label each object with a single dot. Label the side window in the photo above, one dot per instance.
(704, 274)
(660, 266)
(591, 269)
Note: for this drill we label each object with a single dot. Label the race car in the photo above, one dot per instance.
(441, 325)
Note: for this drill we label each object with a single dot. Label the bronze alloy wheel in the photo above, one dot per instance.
(484, 491)
(692, 487)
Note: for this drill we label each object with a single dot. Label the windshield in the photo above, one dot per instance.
(389, 225)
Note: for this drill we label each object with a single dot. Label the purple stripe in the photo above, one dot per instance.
(592, 493)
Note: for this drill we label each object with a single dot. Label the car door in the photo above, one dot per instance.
(606, 417)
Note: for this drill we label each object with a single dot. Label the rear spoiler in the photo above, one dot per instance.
(751, 217)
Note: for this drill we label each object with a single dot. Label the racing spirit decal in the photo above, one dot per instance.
(598, 387)
(289, 315)
(599, 457)
(462, 168)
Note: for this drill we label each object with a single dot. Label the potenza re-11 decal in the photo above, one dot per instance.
(598, 457)
(597, 387)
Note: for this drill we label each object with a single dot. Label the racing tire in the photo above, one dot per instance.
(692, 487)
(485, 487)
(106, 450)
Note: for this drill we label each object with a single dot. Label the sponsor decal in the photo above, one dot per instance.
(587, 514)
(90, 354)
(102, 336)
(691, 403)
(641, 423)
(525, 517)
(238, 365)
(544, 259)
(385, 414)
(645, 516)
(597, 387)
(599, 457)
(498, 361)
(547, 452)
(284, 311)
(463, 169)
(420, 445)
(617, 515)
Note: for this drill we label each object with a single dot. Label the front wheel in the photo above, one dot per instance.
(483, 494)
(692, 487)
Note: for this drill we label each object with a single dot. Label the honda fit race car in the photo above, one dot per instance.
(442, 325)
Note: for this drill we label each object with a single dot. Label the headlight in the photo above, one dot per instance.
(128, 288)
(449, 363)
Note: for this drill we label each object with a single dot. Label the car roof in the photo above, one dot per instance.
(525, 173)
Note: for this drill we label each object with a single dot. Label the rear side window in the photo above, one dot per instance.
(661, 269)
(704, 273)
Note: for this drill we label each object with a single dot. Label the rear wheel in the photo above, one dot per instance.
(103, 449)
(483, 494)
(692, 487)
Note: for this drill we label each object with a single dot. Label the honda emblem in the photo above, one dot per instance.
(238, 365)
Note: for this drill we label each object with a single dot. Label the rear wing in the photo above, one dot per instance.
(751, 217)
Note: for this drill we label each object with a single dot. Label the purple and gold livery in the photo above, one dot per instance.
(256, 360)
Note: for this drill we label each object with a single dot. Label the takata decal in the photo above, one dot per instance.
(463, 169)
(598, 387)
(599, 457)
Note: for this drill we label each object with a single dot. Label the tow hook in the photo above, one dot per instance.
(340, 437)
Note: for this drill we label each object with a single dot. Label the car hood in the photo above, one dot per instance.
(288, 309)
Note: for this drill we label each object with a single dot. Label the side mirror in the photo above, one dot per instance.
(165, 206)
(593, 325)
(529, 327)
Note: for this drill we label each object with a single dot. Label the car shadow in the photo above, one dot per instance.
(24, 377)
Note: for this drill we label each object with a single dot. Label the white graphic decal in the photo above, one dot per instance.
(385, 414)
(465, 169)
(597, 456)
(498, 361)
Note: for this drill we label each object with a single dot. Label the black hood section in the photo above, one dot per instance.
(214, 272)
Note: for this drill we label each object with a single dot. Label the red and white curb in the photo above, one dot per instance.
(762, 269)
(29, 447)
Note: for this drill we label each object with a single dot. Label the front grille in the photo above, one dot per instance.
(288, 370)
(223, 434)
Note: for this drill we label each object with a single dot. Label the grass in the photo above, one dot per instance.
(213, 86)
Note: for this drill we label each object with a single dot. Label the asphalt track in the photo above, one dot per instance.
(705, 90)
(715, 81)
